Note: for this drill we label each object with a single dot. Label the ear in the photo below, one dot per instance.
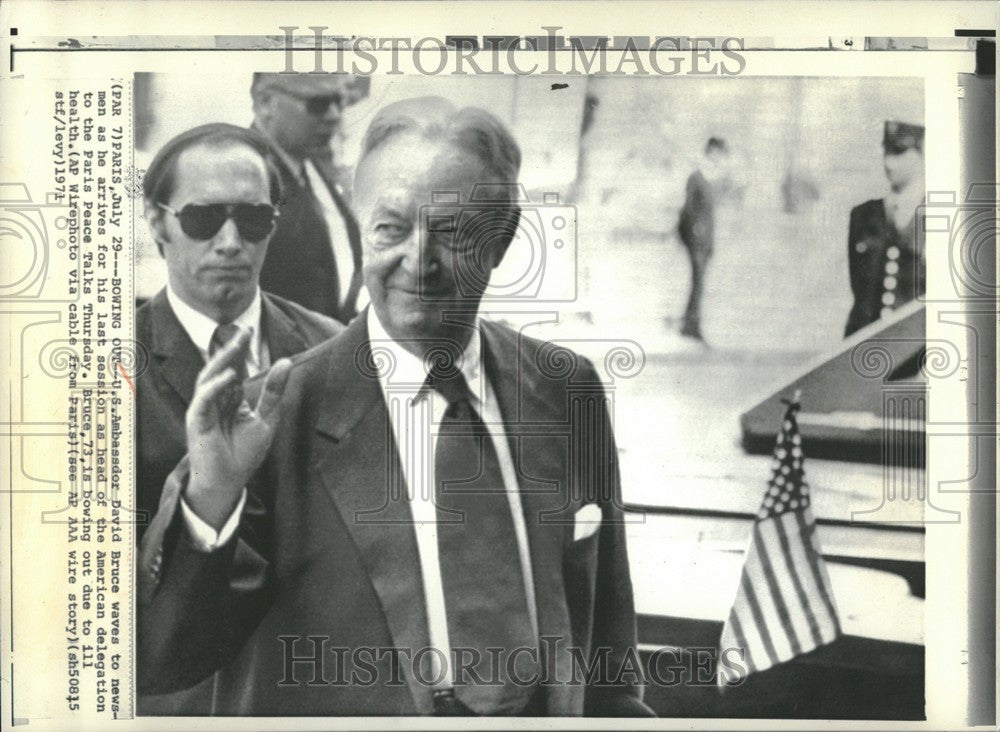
(157, 226)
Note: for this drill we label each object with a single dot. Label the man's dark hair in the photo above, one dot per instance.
(158, 183)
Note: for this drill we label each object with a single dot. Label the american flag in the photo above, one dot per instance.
(784, 605)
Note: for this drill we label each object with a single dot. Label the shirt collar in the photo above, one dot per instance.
(405, 372)
(200, 327)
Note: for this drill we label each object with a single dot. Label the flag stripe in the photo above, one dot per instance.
(784, 605)
(775, 590)
(817, 607)
(812, 554)
(755, 643)
(793, 574)
(755, 570)
(825, 576)
(749, 640)
(758, 618)
(741, 641)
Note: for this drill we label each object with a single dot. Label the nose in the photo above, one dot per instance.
(228, 241)
(420, 258)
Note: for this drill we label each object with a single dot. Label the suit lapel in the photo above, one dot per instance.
(541, 462)
(282, 333)
(361, 472)
(325, 168)
(178, 358)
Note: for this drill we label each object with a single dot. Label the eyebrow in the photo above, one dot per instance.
(385, 208)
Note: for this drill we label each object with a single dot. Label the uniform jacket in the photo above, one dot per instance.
(324, 548)
(870, 240)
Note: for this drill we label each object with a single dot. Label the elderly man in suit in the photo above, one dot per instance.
(315, 254)
(420, 516)
(209, 200)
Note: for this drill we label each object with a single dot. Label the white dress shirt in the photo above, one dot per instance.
(200, 329)
(336, 229)
(415, 414)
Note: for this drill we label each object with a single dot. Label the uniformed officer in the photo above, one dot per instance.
(885, 250)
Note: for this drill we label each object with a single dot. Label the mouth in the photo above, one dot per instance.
(424, 293)
(229, 271)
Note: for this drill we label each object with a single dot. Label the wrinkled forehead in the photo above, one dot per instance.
(409, 171)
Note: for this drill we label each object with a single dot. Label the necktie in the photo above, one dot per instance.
(220, 337)
(485, 600)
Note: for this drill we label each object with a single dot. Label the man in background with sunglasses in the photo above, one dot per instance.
(315, 253)
(209, 202)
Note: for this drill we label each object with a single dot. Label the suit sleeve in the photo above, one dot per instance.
(614, 624)
(195, 609)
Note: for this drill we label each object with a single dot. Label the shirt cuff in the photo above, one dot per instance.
(206, 538)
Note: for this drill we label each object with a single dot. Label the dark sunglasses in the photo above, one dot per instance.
(254, 221)
(317, 106)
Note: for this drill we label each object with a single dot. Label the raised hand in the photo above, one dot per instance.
(226, 439)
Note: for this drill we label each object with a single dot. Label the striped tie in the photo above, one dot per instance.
(222, 335)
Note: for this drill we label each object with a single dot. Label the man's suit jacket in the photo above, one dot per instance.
(163, 393)
(300, 265)
(325, 548)
(164, 390)
(870, 236)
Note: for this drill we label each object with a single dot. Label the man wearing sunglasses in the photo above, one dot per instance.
(209, 202)
(315, 253)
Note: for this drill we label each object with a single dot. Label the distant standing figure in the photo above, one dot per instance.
(885, 253)
(697, 229)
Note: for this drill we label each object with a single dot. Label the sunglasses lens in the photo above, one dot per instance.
(253, 221)
(202, 222)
